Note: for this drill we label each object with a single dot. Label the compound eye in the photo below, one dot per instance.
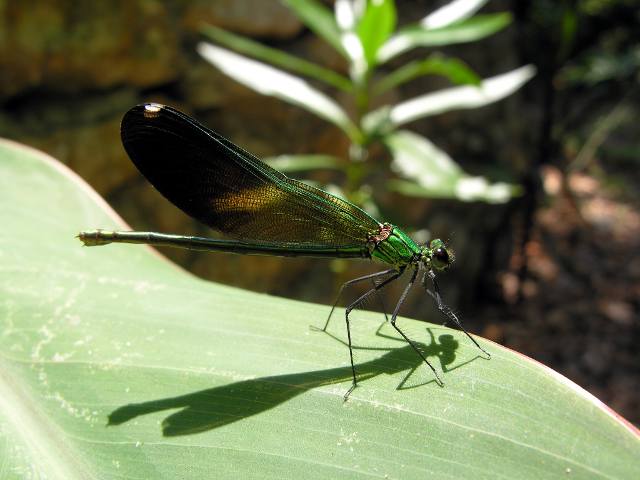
(441, 258)
(441, 255)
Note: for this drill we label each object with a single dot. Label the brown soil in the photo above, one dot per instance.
(581, 298)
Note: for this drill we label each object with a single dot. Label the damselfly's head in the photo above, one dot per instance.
(436, 256)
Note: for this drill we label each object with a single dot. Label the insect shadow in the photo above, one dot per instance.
(215, 407)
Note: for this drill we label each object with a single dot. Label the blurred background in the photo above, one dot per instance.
(507, 128)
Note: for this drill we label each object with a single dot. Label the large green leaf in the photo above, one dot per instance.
(114, 363)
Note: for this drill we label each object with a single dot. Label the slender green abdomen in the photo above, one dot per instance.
(397, 249)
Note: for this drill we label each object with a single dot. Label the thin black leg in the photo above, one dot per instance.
(409, 341)
(354, 305)
(381, 300)
(447, 312)
(371, 276)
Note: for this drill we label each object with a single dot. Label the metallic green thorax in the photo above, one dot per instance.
(397, 249)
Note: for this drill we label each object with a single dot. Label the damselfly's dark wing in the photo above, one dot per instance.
(228, 189)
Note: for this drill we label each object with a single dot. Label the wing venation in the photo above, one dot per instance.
(221, 185)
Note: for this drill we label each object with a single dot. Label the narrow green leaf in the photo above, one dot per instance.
(268, 80)
(434, 174)
(469, 30)
(347, 15)
(375, 26)
(298, 163)
(467, 189)
(116, 364)
(452, 12)
(452, 68)
(276, 57)
(416, 157)
(489, 91)
(377, 122)
(319, 19)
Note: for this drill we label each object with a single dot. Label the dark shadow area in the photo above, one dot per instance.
(444, 349)
(214, 407)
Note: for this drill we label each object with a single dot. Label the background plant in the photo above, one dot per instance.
(364, 33)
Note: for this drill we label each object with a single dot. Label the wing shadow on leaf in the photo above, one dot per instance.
(215, 407)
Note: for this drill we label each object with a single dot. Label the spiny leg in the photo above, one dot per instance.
(409, 341)
(371, 276)
(446, 310)
(354, 305)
